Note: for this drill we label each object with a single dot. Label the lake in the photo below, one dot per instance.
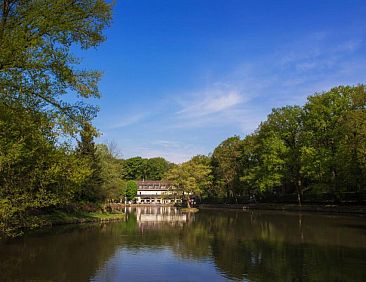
(162, 244)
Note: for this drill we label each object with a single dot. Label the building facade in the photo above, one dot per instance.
(156, 193)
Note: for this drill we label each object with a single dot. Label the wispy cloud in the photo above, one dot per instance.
(127, 121)
(212, 102)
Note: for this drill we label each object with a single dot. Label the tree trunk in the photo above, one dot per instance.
(299, 192)
(188, 203)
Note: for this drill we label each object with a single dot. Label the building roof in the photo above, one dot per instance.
(144, 185)
(153, 182)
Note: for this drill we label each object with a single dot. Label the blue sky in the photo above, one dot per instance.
(180, 76)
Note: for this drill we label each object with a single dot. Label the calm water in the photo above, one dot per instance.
(161, 244)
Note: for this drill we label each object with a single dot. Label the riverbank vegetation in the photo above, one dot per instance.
(58, 217)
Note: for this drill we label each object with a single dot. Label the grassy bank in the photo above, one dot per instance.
(189, 209)
(56, 217)
(61, 217)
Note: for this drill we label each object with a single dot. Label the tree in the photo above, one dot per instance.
(134, 168)
(111, 171)
(269, 171)
(38, 80)
(138, 168)
(156, 168)
(190, 178)
(90, 190)
(326, 132)
(36, 63)
(131, 189)
(287, 124)
(249, 164)
(225, 165)
(36, 174)
(352, 148)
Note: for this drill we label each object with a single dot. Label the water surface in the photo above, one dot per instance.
(162, 244)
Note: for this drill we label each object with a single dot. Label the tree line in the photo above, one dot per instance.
(317, 149)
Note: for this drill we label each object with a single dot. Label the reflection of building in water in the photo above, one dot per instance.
(153, 217)
(156, 192)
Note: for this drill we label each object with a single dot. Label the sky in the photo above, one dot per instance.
(181, 76)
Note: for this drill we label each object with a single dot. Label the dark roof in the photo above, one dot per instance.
(164, 197)
(153, 182)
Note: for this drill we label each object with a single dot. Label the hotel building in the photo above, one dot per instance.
(156, 192)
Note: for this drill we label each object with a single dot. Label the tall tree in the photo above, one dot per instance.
(111, 173)
(134, 168)
(287, 124)
(138, 168)
(35, 173)
(156, 168)
(190, 178)
(36, 62)
(225, 163)
(90, 190)
(130, 190)
(325, 113)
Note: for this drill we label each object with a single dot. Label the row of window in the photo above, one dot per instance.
(152, 187)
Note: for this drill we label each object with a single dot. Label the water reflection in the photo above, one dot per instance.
(155, 217)
(162, 244)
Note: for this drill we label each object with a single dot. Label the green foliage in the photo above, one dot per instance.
(138, 168)
(111, 170)
(38, 79)
(156, 168)
(319, 148)
(36, 63)
(35, 172)
(191, 178)
(90, 190)
(334, 134)
(130, 189)
(225, 165)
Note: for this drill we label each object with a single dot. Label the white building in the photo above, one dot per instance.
(156, 192)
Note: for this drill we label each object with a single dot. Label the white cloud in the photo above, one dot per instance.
(213, 102)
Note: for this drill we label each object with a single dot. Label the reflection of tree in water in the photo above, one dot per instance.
(253, 246)
(265, 246)
(70, 253)
(269, 248)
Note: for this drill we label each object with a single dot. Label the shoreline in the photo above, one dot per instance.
(63, 218)
(58, 218)
(326, 208)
